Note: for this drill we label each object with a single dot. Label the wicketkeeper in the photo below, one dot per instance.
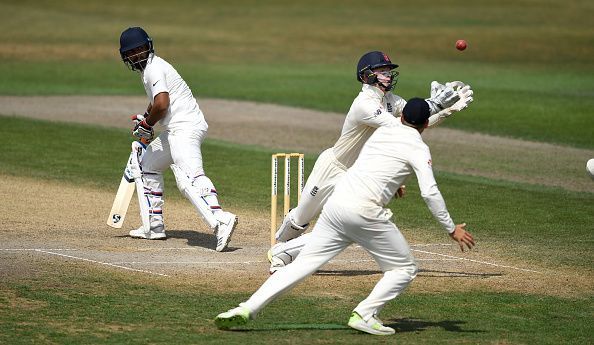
(172, 104)
(356, 213)
(375, 106)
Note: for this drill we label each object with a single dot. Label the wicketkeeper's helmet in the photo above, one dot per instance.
(132, 38)
(372, 60)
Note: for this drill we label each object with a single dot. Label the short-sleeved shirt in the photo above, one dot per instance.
(159, 76)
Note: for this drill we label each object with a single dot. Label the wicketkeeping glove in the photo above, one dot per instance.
(466, 97)
(143, 130)
(442, 96)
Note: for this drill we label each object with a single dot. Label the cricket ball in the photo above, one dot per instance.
(461, 45)
(590, 168)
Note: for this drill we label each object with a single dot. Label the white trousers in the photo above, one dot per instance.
(182, 147)
(318, 187)
(337, 228)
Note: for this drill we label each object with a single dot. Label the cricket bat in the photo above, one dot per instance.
(124, 194)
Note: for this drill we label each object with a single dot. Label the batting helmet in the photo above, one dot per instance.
(133, 38)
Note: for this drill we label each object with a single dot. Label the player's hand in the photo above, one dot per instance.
(466, 97)
(138, 118)
(442, 96)
(462, 236)
(143, 130)
(456, 84)
(401, 192)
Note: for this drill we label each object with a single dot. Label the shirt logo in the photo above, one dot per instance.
(377, 112)
(314, 191)
(156, 82)
(390, 109)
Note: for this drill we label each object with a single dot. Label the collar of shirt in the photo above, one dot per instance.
(413, 131)
(373, 91)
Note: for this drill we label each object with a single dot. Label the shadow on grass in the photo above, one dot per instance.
(416, 325)
(453, 274)
(295, 326)
(400, 325)
(422, 273)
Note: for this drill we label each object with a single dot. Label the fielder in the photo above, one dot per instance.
(172, 104)
(355, 213)
(374, 107)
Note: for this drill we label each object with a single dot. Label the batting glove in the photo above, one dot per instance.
(138, 118)
(143, 130)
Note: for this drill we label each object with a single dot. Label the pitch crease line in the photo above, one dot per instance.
(476, 261)
(101, 263)
(33, 249)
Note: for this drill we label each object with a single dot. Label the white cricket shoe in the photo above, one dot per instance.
(156, 233)
(372, 326)
(235, 317)
(227, 224)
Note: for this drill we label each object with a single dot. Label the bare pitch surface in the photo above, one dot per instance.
(71, 231)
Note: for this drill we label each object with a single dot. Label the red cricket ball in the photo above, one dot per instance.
(461, 45)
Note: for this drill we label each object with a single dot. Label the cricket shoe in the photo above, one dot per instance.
(372, 326)
(235, 317)
(225, 229)
(156, 233)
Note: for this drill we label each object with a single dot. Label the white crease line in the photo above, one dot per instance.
(432, 245)
(99, 262)
(33, 249)
(190, 262)
(476, 261)
(173, 248)
(247, 262)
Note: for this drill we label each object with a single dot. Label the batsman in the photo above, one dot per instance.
(172, 104)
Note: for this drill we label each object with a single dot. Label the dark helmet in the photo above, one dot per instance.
(133, 38)
(416, 112)
(371, 61)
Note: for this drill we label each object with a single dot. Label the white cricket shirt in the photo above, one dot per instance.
(159, 76)
(390, 155)
(370, 109)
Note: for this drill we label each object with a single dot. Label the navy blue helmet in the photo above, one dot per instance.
(131, 39)
(372, 60)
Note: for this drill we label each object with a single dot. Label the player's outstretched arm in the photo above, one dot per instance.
(462, 236)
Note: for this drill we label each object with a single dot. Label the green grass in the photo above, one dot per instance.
(529, 62)
(97, 308)
(536, 104)
(531, 81)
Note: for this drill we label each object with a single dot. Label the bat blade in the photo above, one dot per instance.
(121, 203)
(123, 197)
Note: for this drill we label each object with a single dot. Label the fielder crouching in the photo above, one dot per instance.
(172, 104)
(356, 213)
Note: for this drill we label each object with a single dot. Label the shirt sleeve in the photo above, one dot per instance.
(155, 81)
(422, 165)
(375, 116)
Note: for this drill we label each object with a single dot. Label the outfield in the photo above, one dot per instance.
(512, 167)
